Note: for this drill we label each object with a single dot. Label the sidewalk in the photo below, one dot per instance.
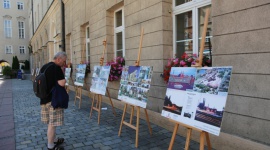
(80, 132)
(7, 134)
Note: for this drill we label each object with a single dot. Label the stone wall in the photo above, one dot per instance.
(241, 32)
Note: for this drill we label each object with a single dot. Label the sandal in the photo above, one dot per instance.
(56, 147)
(59, 141)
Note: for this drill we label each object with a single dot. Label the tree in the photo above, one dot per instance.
(27, 65)
(15, 63)
(7, 71)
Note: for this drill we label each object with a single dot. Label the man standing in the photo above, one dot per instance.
(49, 115)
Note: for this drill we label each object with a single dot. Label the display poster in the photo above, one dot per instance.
(135, 84)
(37, 72)
(67, 74)
(100, 79)
(32, 72)
(80, 74)
(197, 97)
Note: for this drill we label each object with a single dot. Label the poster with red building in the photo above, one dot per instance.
(197, 97)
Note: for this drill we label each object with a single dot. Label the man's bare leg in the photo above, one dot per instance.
(51, 136)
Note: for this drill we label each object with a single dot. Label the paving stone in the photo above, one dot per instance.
(88, 143)
(79, 131)
(78, 145)
(105, 148)
(97, 145)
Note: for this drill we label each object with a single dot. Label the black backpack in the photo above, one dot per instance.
(40, 85)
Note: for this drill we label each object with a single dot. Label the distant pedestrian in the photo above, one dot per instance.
(49, 115)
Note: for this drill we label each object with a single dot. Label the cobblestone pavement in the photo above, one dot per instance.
(80, 132)
(7, 134)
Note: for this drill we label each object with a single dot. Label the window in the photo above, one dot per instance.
(21, 30)
(8, 49)
(22, 49)
(8, 29)
(179, 2)
(188, 25)
(6, 4)
(119, 38)
(87, 42)
(20, 5)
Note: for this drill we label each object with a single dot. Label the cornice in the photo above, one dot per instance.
(7, 16)
(20, 18)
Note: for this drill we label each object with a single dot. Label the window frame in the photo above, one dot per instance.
(6, 3)
(119, 30)
(22, 47)
(192, 6)
(11, 49)
(20, 4)
(23, 30)
(6, 28)
(87, 40)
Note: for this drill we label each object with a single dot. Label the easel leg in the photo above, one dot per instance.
(189, 130)
(111, 101)
(92, 105)
(202, 140)
(173, 136)
(131, 114)
(80, 96)
(99, 107)
(123, 116)
(75, 94)
(147, 119)
(137, 126)
(208, 141)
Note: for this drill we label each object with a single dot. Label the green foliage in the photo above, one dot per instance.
(7, 71)
(15, 63)
(27, 65)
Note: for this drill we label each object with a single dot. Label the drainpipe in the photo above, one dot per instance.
(63, 41)
(32, 17)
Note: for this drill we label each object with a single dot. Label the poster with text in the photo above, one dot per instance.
(80, 74)
(100, 79)
(135, 84)
(67, 74)
(197, 97)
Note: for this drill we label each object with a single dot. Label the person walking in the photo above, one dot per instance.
(49, 115)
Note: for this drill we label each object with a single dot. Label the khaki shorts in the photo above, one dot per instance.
(54, 117)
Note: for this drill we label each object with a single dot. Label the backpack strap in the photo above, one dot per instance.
(47, 68)
(46, 77)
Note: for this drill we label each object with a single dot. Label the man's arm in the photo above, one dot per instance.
(62, 82)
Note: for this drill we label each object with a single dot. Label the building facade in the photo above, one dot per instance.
(14, 39)
(171, 27)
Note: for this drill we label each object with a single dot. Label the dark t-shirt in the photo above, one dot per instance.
(53, 74)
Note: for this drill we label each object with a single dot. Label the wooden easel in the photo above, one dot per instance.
(129, 124)
(189, 128)
(189, 131)
(99, 96)
(78, 93)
